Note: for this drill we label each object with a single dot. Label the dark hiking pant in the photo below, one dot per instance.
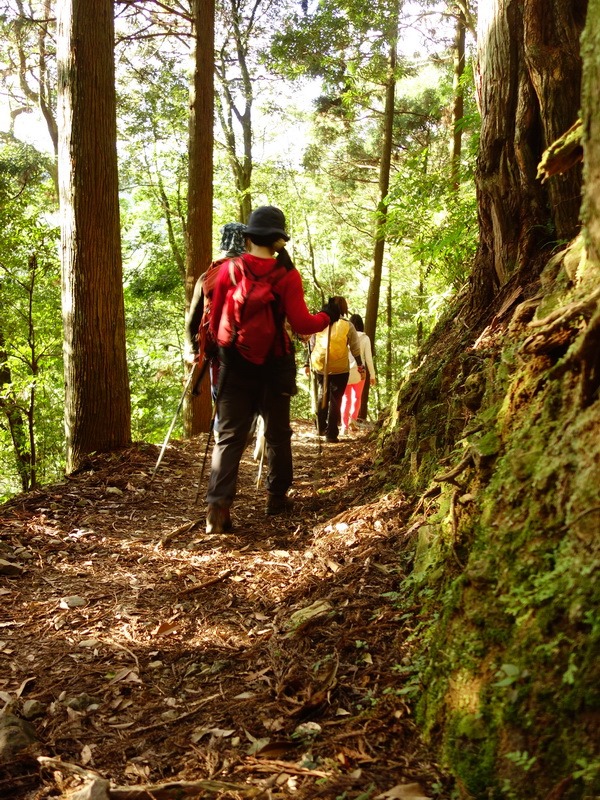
(329, 414)
(245, 391)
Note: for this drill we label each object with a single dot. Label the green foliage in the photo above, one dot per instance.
(30, 329)
(153, 102)
(341, 42)
(155, 348)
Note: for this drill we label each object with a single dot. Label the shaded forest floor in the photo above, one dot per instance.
(269, 662)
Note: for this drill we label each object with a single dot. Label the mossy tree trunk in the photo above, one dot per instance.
(591, 127)
(589, 348)
(198, 408)
(97, 399)
(529, 77)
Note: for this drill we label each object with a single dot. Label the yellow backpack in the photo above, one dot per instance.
(338, 345)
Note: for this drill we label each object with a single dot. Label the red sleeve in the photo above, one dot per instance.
(294, 306)
(222, 284)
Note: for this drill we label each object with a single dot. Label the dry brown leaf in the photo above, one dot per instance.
(218, 733)
(164, 629)
(404, 791)
(86, 754)
(316, 609)
(125, 675)
(274, 749)
(21, 688)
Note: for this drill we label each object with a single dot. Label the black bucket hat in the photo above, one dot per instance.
(267, 221)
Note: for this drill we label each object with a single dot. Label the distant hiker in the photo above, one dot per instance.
(329, 360)
(253, 296)
(204, 345)
(356, 380)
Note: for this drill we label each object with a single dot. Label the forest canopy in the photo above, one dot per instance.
(318, 70)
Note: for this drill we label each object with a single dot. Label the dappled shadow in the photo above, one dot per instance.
(157, 652)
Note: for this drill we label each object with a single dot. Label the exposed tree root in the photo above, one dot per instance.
(451, 475)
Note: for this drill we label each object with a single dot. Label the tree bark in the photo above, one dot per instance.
(384, 186)
(97, 399)
(529, 75)
(389, 356)
(198, 408)
(591, 128)
(458, 100)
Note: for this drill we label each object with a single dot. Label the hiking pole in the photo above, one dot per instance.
(312, 379)
(259, 447)
(170, 431)
(208, 441)
(260, 467)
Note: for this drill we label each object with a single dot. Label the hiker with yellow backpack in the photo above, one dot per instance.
(330, 364)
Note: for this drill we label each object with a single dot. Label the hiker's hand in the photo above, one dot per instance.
(307, 370)
(191, 356)
(332, 310)
(372, 381)
(279, 246)
(361, 372)
(283, 257)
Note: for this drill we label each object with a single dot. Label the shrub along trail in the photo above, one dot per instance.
(271, 662)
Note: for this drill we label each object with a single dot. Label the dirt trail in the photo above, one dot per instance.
(270, 662)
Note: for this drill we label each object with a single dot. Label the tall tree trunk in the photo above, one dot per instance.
(384, 185)
(389, 359)
(589, 348)
(534, 46)
(458, 101)
(198, 408)
(97, 399)
(591, 128)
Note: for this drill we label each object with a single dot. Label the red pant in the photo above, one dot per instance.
(351, 402)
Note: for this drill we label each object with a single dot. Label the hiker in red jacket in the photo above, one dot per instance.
(252, 298)
(204, 348)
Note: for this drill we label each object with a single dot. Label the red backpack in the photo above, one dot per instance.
(207, 345)
(249, 315)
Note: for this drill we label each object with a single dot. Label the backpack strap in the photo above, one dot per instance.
(238, 262)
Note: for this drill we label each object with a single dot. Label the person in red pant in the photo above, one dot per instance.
(356, 381)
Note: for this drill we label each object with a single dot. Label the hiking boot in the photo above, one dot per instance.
(279, 504)
(218, 519)
(333, 439)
